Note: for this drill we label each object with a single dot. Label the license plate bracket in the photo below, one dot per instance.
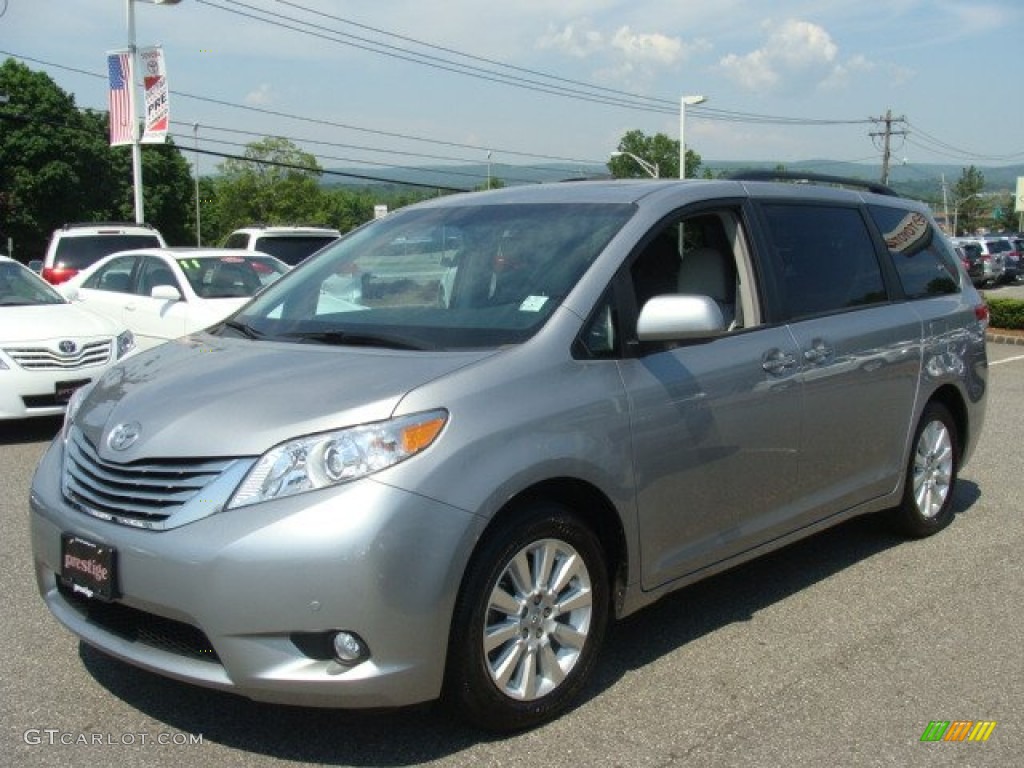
(88, 568)
(63, 390)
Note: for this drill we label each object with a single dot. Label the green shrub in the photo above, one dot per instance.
(1006, 313)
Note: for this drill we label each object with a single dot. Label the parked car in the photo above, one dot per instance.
(630, 386)
(290, 244)
(970, 256)
(1013, 258)
(991, 255)
(164, 293)
(48, 348)
(74, 247)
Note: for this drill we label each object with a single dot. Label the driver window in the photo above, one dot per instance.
(713, 261)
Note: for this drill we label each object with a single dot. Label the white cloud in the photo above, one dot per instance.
(623, 55)
(796, 55)
(261, 96)
(578, 39)
(655, 48)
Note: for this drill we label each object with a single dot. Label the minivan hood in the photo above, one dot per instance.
(206, 396)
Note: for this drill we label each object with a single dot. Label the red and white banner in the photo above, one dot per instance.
(154, 79)
(119, 75)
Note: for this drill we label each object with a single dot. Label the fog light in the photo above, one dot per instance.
(349, 648)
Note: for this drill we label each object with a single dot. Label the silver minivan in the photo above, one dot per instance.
(411, 493)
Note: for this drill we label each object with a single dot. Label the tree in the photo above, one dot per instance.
(275, 183)
(58, 167)
(659, 151)
(967, 202)
(1004, 217)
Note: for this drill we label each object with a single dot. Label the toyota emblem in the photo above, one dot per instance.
(67, 347)
(123, 436)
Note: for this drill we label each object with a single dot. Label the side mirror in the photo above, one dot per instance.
(36, 265)
(166, 292)
(677, 317)
(70, 292)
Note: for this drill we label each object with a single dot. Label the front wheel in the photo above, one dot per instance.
(529, 620)
(927, 505)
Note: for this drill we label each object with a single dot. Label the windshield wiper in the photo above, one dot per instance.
(243, 329)
(347, 338)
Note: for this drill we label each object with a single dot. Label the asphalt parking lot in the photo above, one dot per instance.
(837, 651)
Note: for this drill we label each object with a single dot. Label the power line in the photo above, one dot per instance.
(581, 90)
(935, 145)
(22, 118)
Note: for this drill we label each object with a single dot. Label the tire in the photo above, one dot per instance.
(932, 469)
(529, 620)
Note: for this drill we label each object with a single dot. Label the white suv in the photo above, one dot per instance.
(74, 247)
(290, 244)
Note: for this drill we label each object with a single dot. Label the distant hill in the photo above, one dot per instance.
(921, 181)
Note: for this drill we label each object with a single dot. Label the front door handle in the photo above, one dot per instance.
(819, 353)
(776, 361)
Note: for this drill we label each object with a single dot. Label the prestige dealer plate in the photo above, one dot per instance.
(87, 567)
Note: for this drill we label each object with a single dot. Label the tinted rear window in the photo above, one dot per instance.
(291, 249)
(81, 252)
(925, 264)
(826, 256)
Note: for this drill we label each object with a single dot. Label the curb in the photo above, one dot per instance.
(995, 337)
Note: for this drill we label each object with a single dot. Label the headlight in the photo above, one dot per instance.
(77, 397)
(320, 461)
(125, 344)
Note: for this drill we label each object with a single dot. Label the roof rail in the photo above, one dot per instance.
(77, 224)
(819, 178)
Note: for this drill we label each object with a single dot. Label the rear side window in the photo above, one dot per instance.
(926, 266)
(826, 257)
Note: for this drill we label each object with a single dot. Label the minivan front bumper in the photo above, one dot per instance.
(219, 602)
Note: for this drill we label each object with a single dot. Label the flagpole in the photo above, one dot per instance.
(133, 115)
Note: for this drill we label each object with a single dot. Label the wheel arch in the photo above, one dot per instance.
(593, 507)
(950, 397)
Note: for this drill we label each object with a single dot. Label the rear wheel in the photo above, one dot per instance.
(529, 620)
(927, 505)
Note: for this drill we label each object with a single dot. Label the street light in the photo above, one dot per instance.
(199, 227)
(132, 104)
(956, 209)
(686, 101)
(650, 168)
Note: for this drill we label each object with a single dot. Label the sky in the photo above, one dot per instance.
(378, 85)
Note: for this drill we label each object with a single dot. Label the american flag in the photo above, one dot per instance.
(119, 68)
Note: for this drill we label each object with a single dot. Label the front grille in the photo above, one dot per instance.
(137, 626)
(143, 493)
(45, 359)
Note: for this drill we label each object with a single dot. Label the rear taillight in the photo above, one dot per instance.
(58, 275)
(981, 314)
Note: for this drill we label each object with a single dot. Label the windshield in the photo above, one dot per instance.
(437, 278)
(225, 277)
(21, 287)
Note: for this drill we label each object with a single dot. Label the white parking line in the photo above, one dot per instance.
(1007, 360)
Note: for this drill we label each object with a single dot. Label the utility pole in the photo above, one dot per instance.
(887, 135)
